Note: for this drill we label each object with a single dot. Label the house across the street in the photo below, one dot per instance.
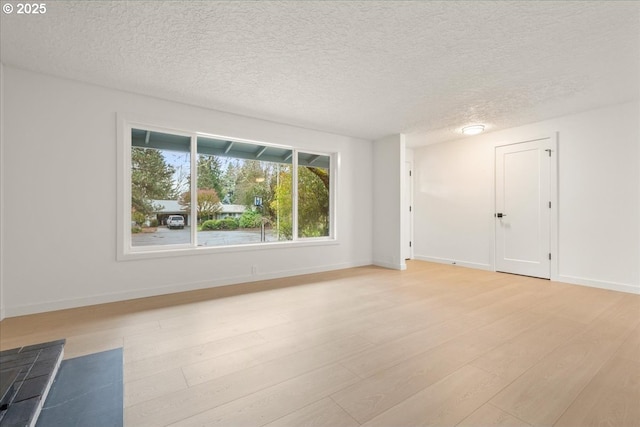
(172, 207)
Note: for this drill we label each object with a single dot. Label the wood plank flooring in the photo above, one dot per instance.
(435, 345)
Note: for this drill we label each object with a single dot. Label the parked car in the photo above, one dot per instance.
(175, 221)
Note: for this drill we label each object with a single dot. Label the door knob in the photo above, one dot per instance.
(499, 215)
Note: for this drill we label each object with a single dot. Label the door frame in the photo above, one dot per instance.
(407, 204)
(554, 142)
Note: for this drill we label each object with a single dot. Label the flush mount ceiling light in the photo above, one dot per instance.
(473, 129)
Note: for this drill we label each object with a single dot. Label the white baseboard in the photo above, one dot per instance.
(468, 264)
(6, 312)
(573, 280)
(612, 286)
(171, 289)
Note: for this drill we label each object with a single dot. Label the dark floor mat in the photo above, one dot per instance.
(87, 392)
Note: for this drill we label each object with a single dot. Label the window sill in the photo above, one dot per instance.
(159, 252)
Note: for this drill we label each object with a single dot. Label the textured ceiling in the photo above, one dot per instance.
(365, 69)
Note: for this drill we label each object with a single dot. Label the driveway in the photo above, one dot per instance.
(164, 236)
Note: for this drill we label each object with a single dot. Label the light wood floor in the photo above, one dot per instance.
(434, 345)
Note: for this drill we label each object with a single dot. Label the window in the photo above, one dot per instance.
(195, 191)
(314, 199)
(160, 172)
(244, 185)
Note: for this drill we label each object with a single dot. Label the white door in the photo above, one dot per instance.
(523, 208)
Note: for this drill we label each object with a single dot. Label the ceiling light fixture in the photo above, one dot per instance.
(473, 129)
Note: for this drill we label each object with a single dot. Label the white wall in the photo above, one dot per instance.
(1, 190)
(388, 184)
(60, 206)
(598, 191)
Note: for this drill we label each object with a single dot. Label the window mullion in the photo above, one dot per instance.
(194, 191)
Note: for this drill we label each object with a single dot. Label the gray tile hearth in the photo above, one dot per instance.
(26, 374)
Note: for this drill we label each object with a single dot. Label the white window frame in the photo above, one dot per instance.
(125, 250)
(332, 190)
